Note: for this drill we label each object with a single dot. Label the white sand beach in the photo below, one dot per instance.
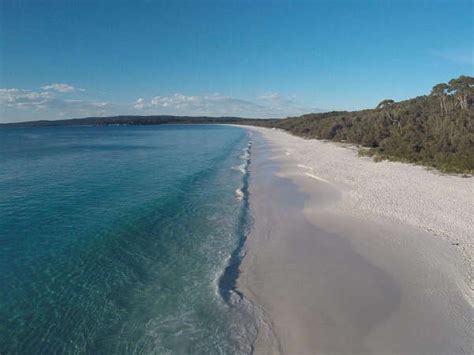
(350, 256)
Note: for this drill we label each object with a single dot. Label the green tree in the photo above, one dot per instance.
(386, 107)
(385, 104)
(441, 91)
(463, 90)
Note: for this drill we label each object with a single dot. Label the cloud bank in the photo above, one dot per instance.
(49, 103)
(56, 101)
(266, 106)
(61, 87)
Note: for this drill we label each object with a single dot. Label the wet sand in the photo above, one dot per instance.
(331, 282)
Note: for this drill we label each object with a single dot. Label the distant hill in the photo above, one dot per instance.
(124, 120)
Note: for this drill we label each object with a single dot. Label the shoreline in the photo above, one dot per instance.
(335, 277)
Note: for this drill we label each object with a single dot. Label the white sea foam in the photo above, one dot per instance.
(245, 157)
(239, 194)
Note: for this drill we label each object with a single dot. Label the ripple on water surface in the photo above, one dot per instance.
(123, 239)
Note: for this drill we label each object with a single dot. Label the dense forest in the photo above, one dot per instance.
(435, 130)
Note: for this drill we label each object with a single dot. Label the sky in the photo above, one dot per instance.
(64, 59)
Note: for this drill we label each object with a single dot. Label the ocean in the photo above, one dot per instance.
(124, 239)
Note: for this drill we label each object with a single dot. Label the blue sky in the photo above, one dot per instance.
(63, 58)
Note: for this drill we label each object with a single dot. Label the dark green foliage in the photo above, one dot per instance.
(385, 103)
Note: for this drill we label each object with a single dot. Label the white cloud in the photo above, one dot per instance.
(207, 105)
(266, 105)
(23, 98)
(44, 104)
(140, 103)
(48, 103)
(59, 87)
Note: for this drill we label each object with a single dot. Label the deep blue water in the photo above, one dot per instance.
(123, 240)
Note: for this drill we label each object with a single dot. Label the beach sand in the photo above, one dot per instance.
(349, 256)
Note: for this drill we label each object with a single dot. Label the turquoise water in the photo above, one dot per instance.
(123, 240)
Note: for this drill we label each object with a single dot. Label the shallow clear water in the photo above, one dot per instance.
(116, 239)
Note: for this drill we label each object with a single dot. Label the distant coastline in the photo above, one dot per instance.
(128, 120)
